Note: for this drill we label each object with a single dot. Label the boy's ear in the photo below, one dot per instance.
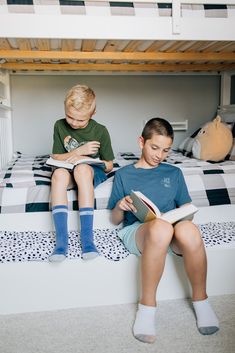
(141, 141)
(94, 112)
(93, 108)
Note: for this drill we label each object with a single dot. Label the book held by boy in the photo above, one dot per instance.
(63, 164)
(148, 211)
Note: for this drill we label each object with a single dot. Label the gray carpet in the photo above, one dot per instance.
(108, 330)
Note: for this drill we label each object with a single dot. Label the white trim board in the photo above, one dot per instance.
(120, 27)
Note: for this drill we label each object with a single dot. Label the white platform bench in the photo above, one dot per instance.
(39, 286)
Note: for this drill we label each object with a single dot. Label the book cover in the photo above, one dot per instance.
(148, 211)
(63, 164)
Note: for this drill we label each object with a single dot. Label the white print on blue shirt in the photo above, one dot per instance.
(166, 182)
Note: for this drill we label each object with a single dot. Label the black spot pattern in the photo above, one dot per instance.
(37, 246)
(216, 233)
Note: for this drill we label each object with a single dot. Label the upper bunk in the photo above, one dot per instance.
(117, 36)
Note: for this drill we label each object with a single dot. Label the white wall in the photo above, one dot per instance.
(123, 103)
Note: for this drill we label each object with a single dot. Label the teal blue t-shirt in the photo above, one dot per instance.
(164, 185)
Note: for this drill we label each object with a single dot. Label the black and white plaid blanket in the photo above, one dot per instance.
(208, 183)
(25, 184)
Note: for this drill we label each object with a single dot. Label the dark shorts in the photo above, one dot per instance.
(99, 175)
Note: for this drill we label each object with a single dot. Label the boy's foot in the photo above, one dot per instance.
(90, 255)
(89, 251)
(58, 255)
(144, 328)
(207, 321)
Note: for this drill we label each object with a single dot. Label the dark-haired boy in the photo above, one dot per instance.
(165, 186)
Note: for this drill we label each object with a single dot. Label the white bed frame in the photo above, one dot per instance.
(94, 25)
(48, 22)
(39, 286)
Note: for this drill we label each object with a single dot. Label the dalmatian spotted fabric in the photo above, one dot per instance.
(37, 246)
(214, 234)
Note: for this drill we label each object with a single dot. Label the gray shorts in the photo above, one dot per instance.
(127, 235)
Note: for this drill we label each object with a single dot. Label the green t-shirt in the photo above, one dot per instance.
(92, 132)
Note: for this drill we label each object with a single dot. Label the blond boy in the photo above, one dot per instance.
(75, 137)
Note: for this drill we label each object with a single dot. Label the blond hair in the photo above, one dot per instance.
(80, 97)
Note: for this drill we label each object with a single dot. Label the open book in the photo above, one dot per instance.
(64, 164)
(148, 211)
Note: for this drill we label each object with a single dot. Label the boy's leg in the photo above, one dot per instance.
(153, 239)
(84, 176)
(188, 241)
(60, 182)
(60, 217)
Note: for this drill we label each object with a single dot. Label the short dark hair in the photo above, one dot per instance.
(157, 126)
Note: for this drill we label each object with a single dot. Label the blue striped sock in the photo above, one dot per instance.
(89, 250)
(60, 217)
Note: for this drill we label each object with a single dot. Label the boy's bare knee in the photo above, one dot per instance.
(162, 226)
(185, 227)
(160, 232)
(188, 235)
(83, 171)
(60, 175)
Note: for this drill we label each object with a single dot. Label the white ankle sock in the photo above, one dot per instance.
(144, 328)
(207, 321)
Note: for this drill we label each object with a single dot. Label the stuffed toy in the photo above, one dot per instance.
(213, 142)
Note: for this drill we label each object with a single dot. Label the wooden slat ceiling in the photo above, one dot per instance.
(116, 56)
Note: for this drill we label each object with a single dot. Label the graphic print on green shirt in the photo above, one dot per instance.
(66, 137)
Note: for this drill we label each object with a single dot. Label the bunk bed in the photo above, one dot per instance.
(142, 36)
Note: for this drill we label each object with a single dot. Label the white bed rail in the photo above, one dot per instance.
(94, 24)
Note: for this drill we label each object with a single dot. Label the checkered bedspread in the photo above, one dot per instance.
(25, 184)
(208, 183)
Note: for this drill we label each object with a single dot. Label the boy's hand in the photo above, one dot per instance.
(89, 148)
(126, 204)
(74, 158)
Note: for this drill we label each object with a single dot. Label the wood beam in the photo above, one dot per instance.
(118, 67)
(143, 56)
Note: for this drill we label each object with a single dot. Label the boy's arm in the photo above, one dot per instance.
(74, 156)
(118, 201)
(108, 166)
(106, 151)
(83, 151)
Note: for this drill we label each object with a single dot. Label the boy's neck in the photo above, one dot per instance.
(144, 165)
